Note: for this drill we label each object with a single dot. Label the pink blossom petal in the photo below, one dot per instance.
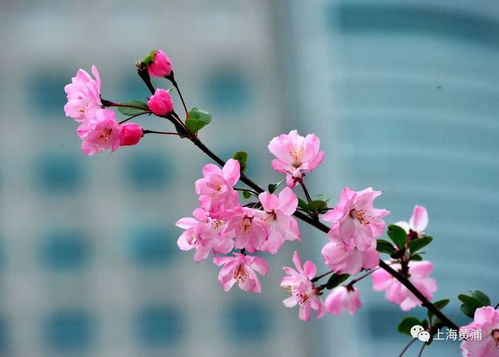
(419, 219)
(231, 171)
(309, 269)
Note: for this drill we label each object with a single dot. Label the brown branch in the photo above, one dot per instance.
(322, 227)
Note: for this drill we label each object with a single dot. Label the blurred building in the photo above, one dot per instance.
(402, 93)
(407, 95)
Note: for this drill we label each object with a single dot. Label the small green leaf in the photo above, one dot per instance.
(149, 58)
(246, 194)
(417, 258)
(397, 235)
(242, 157)
(132, 111)
(481, 297)
(418, 243)
(317, 205)
(469, 304)
(406, 324)
(469, 300)
(302, 204)
(197, 119)
(384, 246)
(272, 187)
(146, 61)
(468, 310)
(335, 280)
(398, 254)
(440, 304)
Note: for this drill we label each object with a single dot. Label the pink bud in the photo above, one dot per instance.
(130, 134)
(161, 102)
(161, 65)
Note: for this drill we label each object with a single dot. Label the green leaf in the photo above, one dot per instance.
(469, 304)
(440, 304)
(317, 205)
(397, 235)
(469, 300)
(302, 204)
(197, 119)
(398, 254)
(149, 58)
(335, 280)
(468, 310)
(272, 187)
(146, 61)
(481, 297)
(418, 243)
(416, 258)
(406, 324)
(242, 157)
(132, 111)
(384, 246)
(246, 194)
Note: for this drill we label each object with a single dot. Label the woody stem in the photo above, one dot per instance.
(323, 228)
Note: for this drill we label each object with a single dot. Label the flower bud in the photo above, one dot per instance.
(160, 66)
(130, 134)
(161, 102)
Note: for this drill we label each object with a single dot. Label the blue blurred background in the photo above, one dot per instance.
(404, 95)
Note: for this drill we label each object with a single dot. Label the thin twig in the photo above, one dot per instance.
(305, 191)
(407, 347)
(422, 349)
(322, 227)
(133, 116)
(319, 277)
(159, 132)
(171, 77)
(369, 272)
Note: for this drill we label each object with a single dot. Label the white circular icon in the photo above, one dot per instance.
(415, 330)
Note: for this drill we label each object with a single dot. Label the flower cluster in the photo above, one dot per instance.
(99, 130)
(355, 226)
(235, 234)
(295, 155)
(486, 320)
(221, 224)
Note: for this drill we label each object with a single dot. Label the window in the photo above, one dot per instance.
(152, 246)
(58, 173)
(68, 330)
(160, 325)
(65, 250)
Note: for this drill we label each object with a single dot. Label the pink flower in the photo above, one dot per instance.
(278, 212)
(341, 298)
(397, 293)
(418, 222)
(131, 134)
(241, 269)
(249, 228)
(83, 94)
(216, 185)
(343, 259)
(355, 219)
(486, 320)
(161, 66)
(204, 234)
(303, 292)
(100, 133)
(161, 102)
(295, 155)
